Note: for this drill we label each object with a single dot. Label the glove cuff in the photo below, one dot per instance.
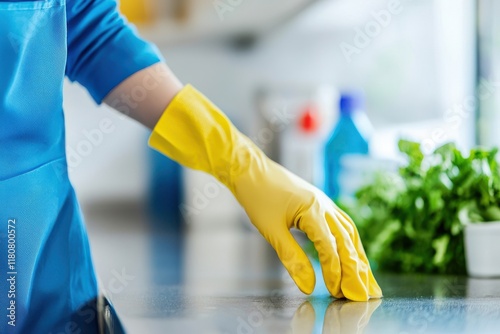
(195, 133)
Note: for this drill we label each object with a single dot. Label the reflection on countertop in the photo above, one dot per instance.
(222, 277)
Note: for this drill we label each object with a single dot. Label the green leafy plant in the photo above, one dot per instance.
(412, 221)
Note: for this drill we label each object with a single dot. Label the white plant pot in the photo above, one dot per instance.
(482, 249)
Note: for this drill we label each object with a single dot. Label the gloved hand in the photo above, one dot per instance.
(198, 135)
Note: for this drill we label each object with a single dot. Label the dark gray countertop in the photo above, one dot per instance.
(222, 278)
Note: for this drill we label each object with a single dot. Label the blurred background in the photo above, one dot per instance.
(295, 76)
(415, 64)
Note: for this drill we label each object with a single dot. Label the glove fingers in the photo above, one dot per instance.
(349, 225)
(346, 221)
(294, 260)
(318, 231)
(375, 291)
(355, 278)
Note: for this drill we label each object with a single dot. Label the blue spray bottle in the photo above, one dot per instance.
(350, 136)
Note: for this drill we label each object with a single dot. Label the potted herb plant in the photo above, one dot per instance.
(414, 220)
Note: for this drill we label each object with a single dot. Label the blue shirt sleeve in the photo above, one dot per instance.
(103, 50)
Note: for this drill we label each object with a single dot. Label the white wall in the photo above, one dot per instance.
(110, 165)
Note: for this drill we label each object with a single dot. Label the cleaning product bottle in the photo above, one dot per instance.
(165, 191)
(301, 147)
(349, 137)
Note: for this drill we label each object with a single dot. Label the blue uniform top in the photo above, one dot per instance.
(49, 280)
(102, 49)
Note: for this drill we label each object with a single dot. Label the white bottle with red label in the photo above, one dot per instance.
(302, 145)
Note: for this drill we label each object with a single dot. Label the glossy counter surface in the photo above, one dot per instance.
(222, 278)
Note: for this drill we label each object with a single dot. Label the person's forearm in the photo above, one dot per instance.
(145, 95)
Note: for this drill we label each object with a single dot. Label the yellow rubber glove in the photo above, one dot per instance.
(195, 133)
